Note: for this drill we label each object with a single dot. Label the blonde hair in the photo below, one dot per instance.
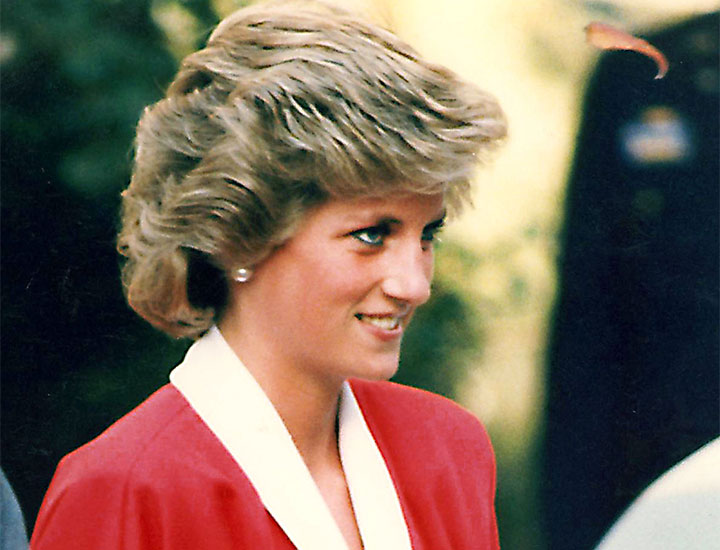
(289, 104)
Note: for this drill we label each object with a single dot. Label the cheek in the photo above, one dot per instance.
(345, 279)
(323, 299)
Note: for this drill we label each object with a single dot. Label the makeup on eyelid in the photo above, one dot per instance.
(384, 229)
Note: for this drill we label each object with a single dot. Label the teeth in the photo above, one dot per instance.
(386, 323)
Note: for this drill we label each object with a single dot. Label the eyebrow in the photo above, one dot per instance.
(391, 220)
(387, 220)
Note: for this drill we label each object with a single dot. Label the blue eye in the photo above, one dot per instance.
(373, 236)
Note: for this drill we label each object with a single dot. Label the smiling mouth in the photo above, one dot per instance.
(385, 322)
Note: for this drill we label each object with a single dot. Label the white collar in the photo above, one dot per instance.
(233, 405)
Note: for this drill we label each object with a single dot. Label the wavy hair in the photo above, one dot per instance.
(288, 105)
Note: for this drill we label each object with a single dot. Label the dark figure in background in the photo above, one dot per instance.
(12, 524)
(633, 363)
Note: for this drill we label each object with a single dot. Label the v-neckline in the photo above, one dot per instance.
(232, 404)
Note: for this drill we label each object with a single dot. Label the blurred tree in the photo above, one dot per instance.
(76, 75)
(446, 332)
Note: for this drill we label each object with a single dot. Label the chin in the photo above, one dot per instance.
(378, 370)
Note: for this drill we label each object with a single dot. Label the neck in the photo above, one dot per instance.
(311, 418)
(308, 406)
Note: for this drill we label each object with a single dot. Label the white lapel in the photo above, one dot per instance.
(234, 407)
(375, 500)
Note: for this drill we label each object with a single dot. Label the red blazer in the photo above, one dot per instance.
(159, 479)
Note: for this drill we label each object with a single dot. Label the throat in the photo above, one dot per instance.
(335, 491)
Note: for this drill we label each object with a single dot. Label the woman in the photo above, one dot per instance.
(284, 199)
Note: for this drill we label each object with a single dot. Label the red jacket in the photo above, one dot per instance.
(159, 479)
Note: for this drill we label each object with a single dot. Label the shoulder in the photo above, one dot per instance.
(102, 478)
(405, 402)
(679, 510)
(412, 414)
(12, 524)
(436, 452)
(158, 472)
(136, 433)
(140, 448)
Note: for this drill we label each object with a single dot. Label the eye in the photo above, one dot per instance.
(430, 232)
(372, 236)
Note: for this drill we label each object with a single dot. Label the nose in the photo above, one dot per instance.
(408, 275)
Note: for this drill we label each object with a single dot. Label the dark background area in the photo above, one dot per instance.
(75, 77)
(634, 370)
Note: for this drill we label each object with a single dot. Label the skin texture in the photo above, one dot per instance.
(298, 324)
(347, 258)
(606, 37)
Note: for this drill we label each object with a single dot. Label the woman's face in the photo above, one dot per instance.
(333, 302)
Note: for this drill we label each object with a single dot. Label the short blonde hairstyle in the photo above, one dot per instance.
(288, 105)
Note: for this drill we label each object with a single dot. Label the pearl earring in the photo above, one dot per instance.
(242, 275)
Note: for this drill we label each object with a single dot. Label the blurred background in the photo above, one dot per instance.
(575, 309)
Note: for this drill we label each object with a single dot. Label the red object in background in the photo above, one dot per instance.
(607, 37)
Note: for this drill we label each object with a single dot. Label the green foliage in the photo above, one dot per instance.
(446, 332)
(76, 76)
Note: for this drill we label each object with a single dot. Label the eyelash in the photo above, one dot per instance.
(430, 234)
(383, 230)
